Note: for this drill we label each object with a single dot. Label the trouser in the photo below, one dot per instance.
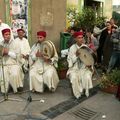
(114, 60)
(99, 55)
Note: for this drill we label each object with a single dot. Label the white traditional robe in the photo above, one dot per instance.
(13, 74)
(80, 76)
(24, 50)
(41, 72)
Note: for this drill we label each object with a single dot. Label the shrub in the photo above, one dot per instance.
(86, 19)
(110, 79)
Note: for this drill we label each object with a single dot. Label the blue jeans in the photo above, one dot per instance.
(114, 60)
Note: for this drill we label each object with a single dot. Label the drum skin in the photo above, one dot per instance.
(48, 49)
(87, 56)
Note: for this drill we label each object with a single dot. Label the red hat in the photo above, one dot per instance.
(5, 30)
(76, 34)
(41, 33)
(18, 30)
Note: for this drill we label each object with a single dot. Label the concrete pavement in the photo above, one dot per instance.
(102, 106)
(61, 105)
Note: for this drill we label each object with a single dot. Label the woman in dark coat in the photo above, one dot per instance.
(101, 44)
(105, 47)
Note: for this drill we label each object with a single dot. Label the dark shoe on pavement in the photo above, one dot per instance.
(20, 89)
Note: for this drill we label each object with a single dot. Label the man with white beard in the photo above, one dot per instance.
(24, 49)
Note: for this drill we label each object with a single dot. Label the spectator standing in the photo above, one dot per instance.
(115, 57)
(103, 37)
(107, 47)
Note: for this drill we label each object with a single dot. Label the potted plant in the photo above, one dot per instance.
(62, 67)
(110, 81)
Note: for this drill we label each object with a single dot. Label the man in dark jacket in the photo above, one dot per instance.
(115, 57)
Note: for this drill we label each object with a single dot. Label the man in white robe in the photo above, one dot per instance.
(42, 69)
(79, 74)
(24, 49)
(12, 72)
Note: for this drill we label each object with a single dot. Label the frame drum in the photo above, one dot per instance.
(87, 56)
(48, 49)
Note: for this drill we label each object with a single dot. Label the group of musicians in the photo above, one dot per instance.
(17, 57)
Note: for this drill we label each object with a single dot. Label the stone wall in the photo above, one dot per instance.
(107, 10)
(2, 10)
(40, 11)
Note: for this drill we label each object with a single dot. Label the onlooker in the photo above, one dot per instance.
(107, 47)
(112, 22)
(115, 57)
(91, 41)
(24, 49)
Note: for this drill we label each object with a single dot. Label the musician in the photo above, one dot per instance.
(79, 74)
(42, 69)
(4, 26)
(12, 71)
(24, 49)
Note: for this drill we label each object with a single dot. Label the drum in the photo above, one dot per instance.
(48, 49)
(87, 56)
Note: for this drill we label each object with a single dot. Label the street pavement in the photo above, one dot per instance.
(101, 106)
(60, 105)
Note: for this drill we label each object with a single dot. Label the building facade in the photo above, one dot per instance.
(48, 15)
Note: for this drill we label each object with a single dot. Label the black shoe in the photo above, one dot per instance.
(20, 89)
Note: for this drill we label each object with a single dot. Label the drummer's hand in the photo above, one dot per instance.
(25, 56)
(77, 53)
(5, 51)
(90, 68)
(39, 54)
(47, 60)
